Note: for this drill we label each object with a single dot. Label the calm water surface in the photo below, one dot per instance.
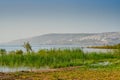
(8, 69)
(38, 47)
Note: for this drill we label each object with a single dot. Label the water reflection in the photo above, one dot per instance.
(8, 69)
(16, 69)
(96, 50)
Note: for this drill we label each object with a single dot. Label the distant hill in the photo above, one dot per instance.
(83, 39)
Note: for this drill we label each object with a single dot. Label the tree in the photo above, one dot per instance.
(27, 46)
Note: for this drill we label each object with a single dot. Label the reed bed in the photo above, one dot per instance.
(55, 58)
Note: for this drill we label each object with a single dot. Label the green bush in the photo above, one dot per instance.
(20, 52)
(3, 51)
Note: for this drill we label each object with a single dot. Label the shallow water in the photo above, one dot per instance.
(7, 69)
(16, 69)
(96, 50)
(37, 47)
(102, 64)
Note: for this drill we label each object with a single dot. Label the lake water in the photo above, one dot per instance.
(38, 47)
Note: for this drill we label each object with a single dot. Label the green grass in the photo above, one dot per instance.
(56, 58)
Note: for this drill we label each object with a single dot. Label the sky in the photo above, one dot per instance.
(27, 18)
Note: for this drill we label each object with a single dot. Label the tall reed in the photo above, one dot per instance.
(53, 58)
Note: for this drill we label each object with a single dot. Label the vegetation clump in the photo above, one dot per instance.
(3, 51)
(56, 58)
(117, 46)
(19, 52)
(28, 47)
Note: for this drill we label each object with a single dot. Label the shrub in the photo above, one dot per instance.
(20, 52)
(3, 51)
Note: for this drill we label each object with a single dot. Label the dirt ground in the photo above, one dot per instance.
(71, 73)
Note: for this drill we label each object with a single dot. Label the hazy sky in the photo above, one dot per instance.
(26, 18)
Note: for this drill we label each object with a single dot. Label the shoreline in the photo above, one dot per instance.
(72, 73)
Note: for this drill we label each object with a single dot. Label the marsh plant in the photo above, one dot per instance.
(44, 57)
(55, 58)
